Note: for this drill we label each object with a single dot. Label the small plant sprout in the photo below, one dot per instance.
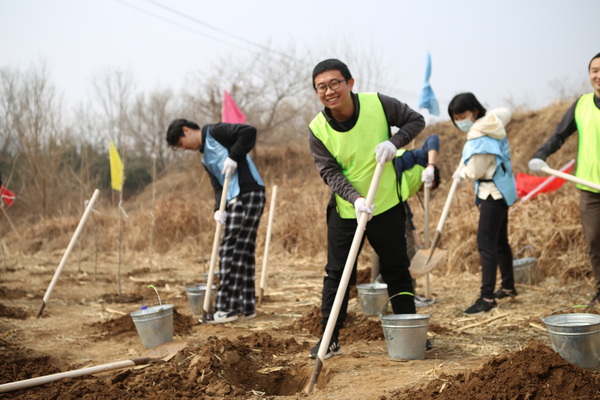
(157, 295)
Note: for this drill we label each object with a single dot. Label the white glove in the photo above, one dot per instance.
(536, 164)
(385, 151)
(456, 176)
(220, 217)
(229, 167)
(360, 206)
(427, 176)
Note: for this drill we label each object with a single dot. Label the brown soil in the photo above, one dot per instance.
(504, 354)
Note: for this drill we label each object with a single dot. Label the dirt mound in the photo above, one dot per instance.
(182, 324)
(220, 368)
(535, 372)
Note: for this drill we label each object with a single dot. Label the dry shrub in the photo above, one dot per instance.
(184, 202)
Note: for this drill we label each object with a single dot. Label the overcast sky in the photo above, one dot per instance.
(500, 50)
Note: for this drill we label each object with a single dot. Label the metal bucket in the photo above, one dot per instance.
(524, 268)
(195, 295)
(576, 337)
(524, 271)
(154, 324)
(373, 298)
(405, 335)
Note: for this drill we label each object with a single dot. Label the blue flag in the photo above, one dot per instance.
(427, 99)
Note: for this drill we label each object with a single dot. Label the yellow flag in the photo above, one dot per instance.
(116, 167)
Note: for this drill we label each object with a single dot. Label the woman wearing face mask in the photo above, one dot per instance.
(486, 160)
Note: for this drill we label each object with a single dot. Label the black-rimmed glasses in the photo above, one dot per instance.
(333, 85)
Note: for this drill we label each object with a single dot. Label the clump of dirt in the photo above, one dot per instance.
(182, 325)
(439, 329)
(11, 294)
(220, 368)
(12, 312)
(535, 372)
(121, 298)
(356, 327)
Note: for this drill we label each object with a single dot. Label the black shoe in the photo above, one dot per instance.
(503, 293)
(333, 350)
(428, 345)
(595, 301)
(481, 306)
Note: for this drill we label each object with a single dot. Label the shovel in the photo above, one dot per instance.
(215, 253)
(570, 177)
(339, 296)
(162, 353)
(422, 264)
(263, 275)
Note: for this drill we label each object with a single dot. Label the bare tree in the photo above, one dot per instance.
(33, 131)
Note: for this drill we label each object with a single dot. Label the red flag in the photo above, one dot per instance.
(7, 196)
(529, 186)
(230, 112)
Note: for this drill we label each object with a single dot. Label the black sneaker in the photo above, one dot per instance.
(503, 293)
(333, 350)
(481, 306)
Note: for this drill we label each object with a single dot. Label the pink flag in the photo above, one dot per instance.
(230, 112)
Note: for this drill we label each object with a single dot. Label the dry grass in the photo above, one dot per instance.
(184, 204)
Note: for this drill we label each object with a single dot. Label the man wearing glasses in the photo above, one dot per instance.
(347, 139)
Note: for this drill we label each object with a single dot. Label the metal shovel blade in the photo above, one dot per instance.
(419, 265)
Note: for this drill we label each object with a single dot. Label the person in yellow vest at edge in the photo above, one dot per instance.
(584, 117)
(347, 139)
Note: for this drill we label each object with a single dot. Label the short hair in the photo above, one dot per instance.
(329, 65)
(593, 58)
(465, 102)
(175, 130)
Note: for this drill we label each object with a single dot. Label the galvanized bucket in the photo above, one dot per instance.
(576, 337)
(154, 324)
(405, 335)
(524, 268)
(373, 298)
(196, 294)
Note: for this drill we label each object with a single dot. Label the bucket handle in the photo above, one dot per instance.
(569, 308)
(530, 247)
(380, 314)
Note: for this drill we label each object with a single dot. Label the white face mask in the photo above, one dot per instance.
(464, 125)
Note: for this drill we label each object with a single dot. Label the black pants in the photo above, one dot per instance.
(386, 235)
(589, 209)
(492, 241)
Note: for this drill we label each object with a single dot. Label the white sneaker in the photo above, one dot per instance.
(221, 317)
(423, 302)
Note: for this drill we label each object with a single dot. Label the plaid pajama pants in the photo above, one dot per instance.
(236, 254)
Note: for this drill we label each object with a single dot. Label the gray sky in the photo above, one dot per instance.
(501, 50)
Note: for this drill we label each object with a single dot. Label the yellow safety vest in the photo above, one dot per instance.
(349, 150)
(587, 118)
